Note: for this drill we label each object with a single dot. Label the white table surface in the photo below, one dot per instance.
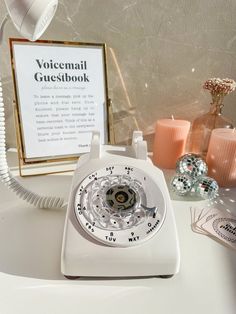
(31, 282)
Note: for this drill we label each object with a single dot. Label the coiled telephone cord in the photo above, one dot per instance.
(12, 183)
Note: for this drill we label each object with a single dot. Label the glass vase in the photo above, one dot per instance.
(203, 126)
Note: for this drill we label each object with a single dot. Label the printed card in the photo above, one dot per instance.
(217, 224)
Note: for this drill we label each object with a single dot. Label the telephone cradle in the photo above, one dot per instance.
(119, 221)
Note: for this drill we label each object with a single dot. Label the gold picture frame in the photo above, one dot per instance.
(55, 162)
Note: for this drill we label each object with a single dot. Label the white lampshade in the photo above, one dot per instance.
(31, 17)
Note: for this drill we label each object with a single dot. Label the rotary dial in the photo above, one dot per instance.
(119, 205)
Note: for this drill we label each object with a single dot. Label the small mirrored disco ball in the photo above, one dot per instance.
(181, 184)
(206, 187)
(192, 165)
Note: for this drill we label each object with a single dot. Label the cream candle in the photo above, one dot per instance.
(169, 142)
(221, 157)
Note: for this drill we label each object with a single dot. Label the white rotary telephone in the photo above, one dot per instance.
(119, 220)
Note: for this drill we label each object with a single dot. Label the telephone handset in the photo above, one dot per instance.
(119, 219)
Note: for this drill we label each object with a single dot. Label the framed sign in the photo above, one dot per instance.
(61, 97)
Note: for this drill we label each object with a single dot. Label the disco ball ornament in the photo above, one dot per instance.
(181, 184)
(192, 165)
(206, 187)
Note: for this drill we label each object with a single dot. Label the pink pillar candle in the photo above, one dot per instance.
(221, 157)
(169, 142)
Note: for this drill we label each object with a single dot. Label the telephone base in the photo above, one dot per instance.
(165, 276)
(72, 277)
(117, 277)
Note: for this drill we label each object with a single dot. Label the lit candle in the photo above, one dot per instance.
(169, 142)
(221, 157)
